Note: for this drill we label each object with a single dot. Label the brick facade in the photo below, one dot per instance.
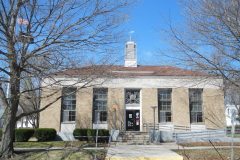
(213, 108)
(180, 107)
(84, 103)
(149, 98)
(116, 103)
(50, 117)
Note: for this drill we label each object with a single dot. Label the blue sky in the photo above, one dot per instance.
(149, 19)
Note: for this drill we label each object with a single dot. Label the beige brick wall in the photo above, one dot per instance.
(213, 107)
(180, 107)
(84, 104)
(50, 117)
(149, 98)
(116, 100)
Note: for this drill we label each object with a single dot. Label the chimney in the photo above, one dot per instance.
(130, 54)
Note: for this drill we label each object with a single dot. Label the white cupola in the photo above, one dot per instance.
(130, 54)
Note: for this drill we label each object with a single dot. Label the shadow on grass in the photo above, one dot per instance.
(61, 154)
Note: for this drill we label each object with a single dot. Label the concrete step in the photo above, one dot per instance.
(135, 133)
(134, 137)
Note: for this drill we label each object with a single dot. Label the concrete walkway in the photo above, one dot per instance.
(141, 152)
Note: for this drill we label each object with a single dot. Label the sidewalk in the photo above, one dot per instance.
(142, 152)
(151, 152)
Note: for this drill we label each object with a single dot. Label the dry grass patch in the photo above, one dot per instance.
(68, 154)
(56, 144)
(196, 144)
(208, 154)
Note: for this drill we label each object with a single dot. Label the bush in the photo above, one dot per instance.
(237, 126)
(45, 134)
(91, 133)
(105, 133)
(23, 134)
(78, 132)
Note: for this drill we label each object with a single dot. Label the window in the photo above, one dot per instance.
(132, 96)
(100, 105)
(164, 105)
(195, 103)
(69, 104)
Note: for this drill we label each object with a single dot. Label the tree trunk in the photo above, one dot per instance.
(8, 132)
(8, 135)
(37, 120)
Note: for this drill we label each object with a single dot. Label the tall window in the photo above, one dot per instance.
(195, 103)
(132, 96)
(164, 105)
(100, 105)
(68, 104)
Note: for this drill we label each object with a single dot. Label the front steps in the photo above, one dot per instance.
(134, 137)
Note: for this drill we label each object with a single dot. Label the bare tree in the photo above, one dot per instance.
(232, 101)
(30, 101)
(38, 38)
(210, 39)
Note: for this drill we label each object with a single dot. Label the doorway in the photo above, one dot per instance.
(132, 120)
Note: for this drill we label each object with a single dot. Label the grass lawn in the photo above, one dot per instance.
(55, 144)
(67, 154)
(208, 154)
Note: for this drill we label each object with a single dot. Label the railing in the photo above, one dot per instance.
(199, 134)
(165, 127)
(193, 132)
(150, 126)
(181, 128)
(175, 128)
(229, 130)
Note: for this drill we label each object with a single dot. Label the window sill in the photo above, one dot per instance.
(198, 124)
(100, 123)
(132, 105)
(165, 123)
(69, 122)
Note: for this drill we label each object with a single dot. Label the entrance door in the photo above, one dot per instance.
(132, 120)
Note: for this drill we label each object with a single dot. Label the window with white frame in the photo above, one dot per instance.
(164, 105)
(68, 105)
(100, 105)
(132, 96)
(195, 105)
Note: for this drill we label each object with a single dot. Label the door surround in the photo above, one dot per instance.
(134, 107)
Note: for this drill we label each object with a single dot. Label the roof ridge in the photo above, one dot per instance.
(133, 71)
